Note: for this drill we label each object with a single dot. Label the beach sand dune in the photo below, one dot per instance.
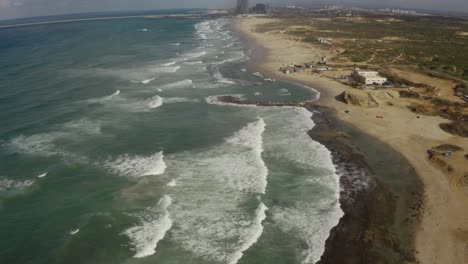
(442, 235)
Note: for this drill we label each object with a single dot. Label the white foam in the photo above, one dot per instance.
(172, 183)
(7, 185)
(257, 74)
(154, 226)
(42, 175)
(107, 98)
(175, 44)
(221, 79)
(193, 62)
(74, 232)
(252, 238)
(82, 126)
(311, 222)
(33, 145)
(44, 144)
(138, 166)
(195, 54)
(218, 227)
(178, 84)
(165, 69)
(169, 63)
(148, 81)
(156, 102)
(311, 217)
(251, 137)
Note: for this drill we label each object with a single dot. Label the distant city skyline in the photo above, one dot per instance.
(28, 8)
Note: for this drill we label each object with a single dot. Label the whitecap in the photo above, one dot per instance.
(196, 54)
(148, 81)
(74, 232)
(7, 185)
(172, 183)
(153, 228)
(310, 218)
(169, 63)
(193, 62)
(217, 227)
(42, 175)
(138, 166)
(156, 102)
(256, 232)
(163, 69)
(183, 83)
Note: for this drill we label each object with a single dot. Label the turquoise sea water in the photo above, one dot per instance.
(114, 149)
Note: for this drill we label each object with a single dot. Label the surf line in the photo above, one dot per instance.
(260, 212)
(260, 216)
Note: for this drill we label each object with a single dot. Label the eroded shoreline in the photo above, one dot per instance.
(378, 223)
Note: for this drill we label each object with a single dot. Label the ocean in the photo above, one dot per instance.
(115, 149)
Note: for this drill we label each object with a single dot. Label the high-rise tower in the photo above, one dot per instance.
(242, 6)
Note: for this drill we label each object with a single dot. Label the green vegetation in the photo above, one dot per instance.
(448, 147)
(435, 44)
(457, 128)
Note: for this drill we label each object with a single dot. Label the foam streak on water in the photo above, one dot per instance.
(257, 230)
(231, 173)
(154, 226)
(138, 166)
(310, 217)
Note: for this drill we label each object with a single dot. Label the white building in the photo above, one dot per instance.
(369, 77)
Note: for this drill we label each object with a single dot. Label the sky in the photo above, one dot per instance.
(27, 8)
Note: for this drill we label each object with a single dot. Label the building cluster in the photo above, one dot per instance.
(292, 68)
(243, 7)
(368, 77)
(399, 11)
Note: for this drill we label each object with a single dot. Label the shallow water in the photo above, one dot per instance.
(114, 149)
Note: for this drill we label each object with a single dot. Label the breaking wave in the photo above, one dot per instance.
(154, 225)
(217, 227)
(156, 102)
(183, 83)
(138, 166)
(148, 81)
(256, 232)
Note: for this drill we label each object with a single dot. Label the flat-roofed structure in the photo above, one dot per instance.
(368, 77)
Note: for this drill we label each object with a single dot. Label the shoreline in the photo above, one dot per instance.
(365, 210)
(430, 240)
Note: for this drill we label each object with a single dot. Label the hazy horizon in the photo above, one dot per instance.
(10, 9)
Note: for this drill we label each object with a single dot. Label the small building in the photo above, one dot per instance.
(368, 77)
(323, 60)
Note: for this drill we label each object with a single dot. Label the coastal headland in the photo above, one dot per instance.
(427, 225)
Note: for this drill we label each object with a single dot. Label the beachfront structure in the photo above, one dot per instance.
(242, 6)
(262, 9)
(368, 77)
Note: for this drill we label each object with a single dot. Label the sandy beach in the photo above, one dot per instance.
(442, 233)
